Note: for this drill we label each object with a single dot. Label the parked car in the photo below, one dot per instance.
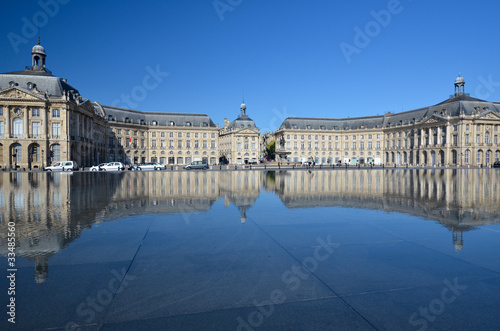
(97, 167)
(132, 167)
(62, 166)
(197, 165)
(113, 166)
(151, 166)
(496, 164)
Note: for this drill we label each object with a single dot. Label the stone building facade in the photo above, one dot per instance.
(44, 119)
(459, 131)
(239, 140)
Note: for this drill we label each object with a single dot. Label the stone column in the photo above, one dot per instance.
(25, 122)
(44, 124)
(7, 122)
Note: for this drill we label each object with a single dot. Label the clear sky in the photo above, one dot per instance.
(313, 58)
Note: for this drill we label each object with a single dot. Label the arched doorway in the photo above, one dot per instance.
(16, 154)
(33, 155)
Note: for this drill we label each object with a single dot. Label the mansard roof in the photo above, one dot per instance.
(116, 114)
(41, 81)
(457, 105)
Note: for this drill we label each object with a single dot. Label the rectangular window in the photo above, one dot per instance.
(353, 145)
(346, 145)
(56, 130)
(35, 129)
(378, 145)
(212, 144)
(466, 139)
(153, 143)
(188, 143)
(171, 135)
(162, 143)
(56, 113)
(171, 144)
(153, 134)
(1, 111)
(213, 136)
(162, 134)
(478, 139)
(196, 143)
(179, 135)
(362, 145)
(455, 140)
(179, 143)
(1, 129)
(467, 127)
(35, 112)
(238, 147)
(466, 156)
(196, 135)
(495, 139)
(142, 143)
(188, 134)
(111, 142)
(204, 135)
(369, 145)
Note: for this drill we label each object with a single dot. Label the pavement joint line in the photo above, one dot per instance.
(124, 276)
(313, 274)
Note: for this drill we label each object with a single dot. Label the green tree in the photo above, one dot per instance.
(270, 148)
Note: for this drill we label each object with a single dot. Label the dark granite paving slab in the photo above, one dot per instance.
(326, 314)
(454, 304)
(209, 265)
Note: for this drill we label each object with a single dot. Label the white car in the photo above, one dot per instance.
(113, 166)
(62, 166)
(97, 167)
(151, 166)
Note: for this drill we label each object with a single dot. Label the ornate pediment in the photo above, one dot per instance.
(18, 94)
(490, 115)
(434, 119)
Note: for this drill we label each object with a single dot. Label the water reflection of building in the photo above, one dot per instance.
(459, 199)
(52, 209)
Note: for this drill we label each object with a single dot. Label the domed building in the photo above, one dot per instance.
(43, 119)
(239, 140)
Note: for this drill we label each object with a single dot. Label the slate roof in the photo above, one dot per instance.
(44, 82)
(454, 106)
(116, 114)
(242, 122)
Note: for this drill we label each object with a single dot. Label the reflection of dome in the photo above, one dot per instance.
(459, 246)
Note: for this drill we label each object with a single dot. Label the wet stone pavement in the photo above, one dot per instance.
(391, 249)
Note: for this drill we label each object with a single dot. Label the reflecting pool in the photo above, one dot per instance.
(393, 249)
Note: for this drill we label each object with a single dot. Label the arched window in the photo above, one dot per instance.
(17, 123)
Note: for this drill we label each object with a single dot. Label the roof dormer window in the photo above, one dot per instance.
(154, 123)
(127, 120)
(188, 123)
(12, 83)
(172, 123)
(205, 124)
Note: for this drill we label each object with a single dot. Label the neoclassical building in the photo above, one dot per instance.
(43, 119)
(239, 140)
(459, 131)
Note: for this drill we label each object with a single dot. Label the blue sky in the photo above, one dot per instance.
(286, 57)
